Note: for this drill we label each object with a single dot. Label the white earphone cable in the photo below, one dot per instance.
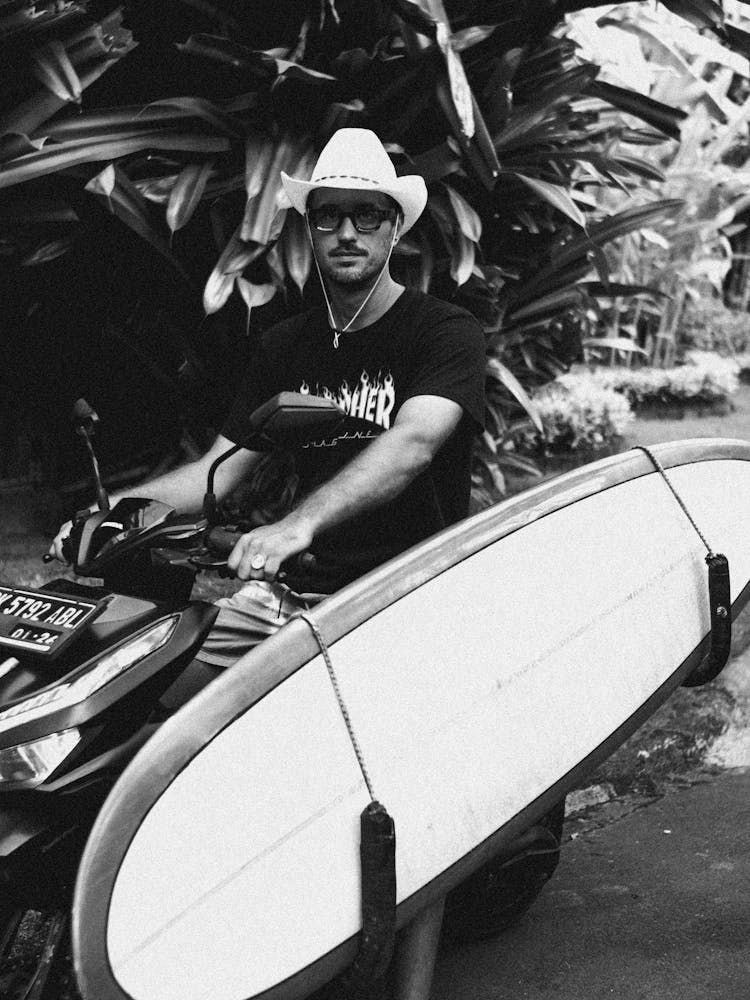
(331, 318)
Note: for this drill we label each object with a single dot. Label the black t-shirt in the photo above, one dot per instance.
(420, 346)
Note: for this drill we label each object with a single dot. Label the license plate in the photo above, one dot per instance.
(41, 622)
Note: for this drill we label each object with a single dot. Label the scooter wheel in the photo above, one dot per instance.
(497, 895)
(11, 915)
(35, 960)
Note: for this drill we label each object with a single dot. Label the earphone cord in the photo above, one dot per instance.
(331, 319)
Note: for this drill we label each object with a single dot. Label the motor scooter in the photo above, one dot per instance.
(85, 668)
(86, 674)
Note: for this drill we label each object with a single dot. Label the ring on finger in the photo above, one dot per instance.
(258, 561)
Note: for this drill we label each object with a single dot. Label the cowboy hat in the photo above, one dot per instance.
(355, 159)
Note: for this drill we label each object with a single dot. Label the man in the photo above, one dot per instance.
(407, 362)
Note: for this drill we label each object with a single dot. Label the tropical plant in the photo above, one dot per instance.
(492, 104)
(702, 377)
(689, 259)
(578, 414)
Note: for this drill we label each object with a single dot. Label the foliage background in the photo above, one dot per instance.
(145, 241)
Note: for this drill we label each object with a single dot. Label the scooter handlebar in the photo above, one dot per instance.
(221, 541)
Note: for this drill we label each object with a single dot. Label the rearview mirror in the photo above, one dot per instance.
(292, 418)
(287, 420)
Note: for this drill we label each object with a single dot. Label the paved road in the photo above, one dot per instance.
(653, 906)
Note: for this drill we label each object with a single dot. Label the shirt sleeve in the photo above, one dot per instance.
(451, 363)
(255, 389)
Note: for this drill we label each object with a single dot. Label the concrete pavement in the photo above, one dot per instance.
(654, 905)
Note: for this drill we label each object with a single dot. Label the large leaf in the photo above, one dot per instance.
(463, 252)
(504, 375)
(468, 220)
(615, 290)
(266, 205)
(615, 344)
(739, 39)
(460, 88)
(477, 33)
(52, 66)
(297, 251)
(701, 13)
(639, 166)
(547, 305)
(479, 150)
(255, 295)
(36, 109)
(194, 107)
(436, 163)
(555, 195)
(61, 156)
(542, 108)
(47, 251)
(654, 113)
(33, 211)
(240, 57)
(234, 259)
(171, 111)
(125, 201)
(31, 17)
(186, 193)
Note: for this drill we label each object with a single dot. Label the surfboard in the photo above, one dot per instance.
(485, 672)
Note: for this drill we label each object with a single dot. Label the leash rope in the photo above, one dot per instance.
(683, 507)
(325, 653)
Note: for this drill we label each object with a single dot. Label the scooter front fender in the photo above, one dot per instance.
(40, 847)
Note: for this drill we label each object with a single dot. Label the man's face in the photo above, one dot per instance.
(346, 256)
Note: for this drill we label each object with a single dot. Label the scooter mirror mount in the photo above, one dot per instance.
(287, 420)
(85, 420)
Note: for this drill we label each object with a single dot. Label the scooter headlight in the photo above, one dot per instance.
(110, 666)
(28, 764)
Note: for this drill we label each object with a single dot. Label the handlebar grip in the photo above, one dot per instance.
(67, 549)
(222, 540)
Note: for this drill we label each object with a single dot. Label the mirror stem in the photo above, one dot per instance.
(210, 503)
(101, 493)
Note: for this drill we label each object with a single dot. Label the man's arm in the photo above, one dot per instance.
(376, 475)
(183, 488)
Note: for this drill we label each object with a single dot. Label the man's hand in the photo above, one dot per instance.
(55, 549)
(258, 555)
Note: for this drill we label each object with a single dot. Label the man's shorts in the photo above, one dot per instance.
(248, 617)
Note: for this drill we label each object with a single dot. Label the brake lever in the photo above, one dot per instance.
(205, 560)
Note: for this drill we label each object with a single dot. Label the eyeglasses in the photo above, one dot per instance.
(364, 218)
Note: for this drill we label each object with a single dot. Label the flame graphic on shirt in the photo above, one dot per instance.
(370, 399)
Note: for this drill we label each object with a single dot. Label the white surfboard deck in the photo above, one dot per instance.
(485, 671)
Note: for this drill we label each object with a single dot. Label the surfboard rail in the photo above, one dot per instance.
(261, 672)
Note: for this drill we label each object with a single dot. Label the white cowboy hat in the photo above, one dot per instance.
(355, 159)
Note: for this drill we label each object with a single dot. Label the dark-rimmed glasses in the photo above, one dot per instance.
(364, 218)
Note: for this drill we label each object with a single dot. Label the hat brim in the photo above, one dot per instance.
(409, 192)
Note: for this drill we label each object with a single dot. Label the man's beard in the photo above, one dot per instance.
(353, 279)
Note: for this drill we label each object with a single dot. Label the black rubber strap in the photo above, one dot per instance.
(377, 853)
(719, 596)
(377, 857)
